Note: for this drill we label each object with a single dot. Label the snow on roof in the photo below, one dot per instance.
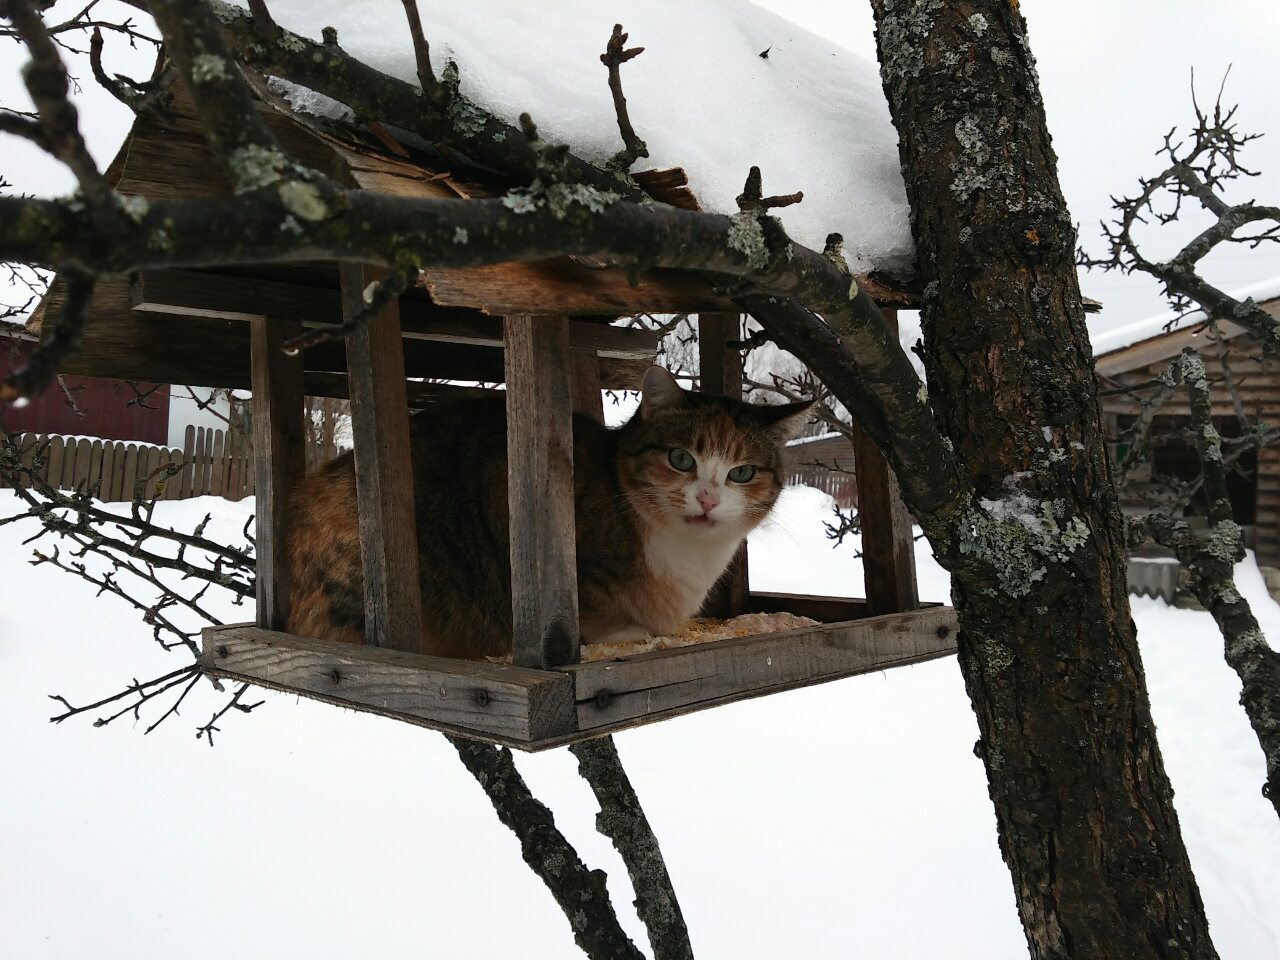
(812, 115)
(1132, 333)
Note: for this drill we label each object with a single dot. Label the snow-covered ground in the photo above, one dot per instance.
(849, 819)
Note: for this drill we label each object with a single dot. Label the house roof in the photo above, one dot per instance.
(1165, 334)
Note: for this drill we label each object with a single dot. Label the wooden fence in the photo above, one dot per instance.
(212, 462)
(824, 462)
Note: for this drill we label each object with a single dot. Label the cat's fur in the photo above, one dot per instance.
(651, 539)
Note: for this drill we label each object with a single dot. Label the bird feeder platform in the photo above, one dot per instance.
(541, 329)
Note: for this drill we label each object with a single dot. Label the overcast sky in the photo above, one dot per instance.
(1115, 77)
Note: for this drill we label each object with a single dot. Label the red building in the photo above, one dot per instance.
(110, 409)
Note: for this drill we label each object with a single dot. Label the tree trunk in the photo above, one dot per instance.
(1047, 648)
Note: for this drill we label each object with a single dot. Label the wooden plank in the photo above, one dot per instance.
(720, 372)
(888, 548)
(123, 343)
(147, 471)
(656, 685)
(130, 472)
(52, 472)
(544, 581)
(235, 476)
(83, 464)
(587, 396)
(278, 439)
(110, 466)
(183, 478)
(67, 479)
(417, 393)
(95, 468)
(217, 463)
(500, 702)
(118, 472)
(822, 609)
(384, 471)
(210, 295)
(562, 284)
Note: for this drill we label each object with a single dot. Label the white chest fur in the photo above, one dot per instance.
(688, 561)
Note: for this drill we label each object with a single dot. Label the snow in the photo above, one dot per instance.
(812, 115)
(827, 821)
(1168, 321)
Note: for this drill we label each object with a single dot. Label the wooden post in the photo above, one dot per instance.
(277, 443)
(720, 372)
(586, 383)
(888, 550)
(544, 576)
(384, 472)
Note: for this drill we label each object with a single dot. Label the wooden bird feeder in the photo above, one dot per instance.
(542, 330)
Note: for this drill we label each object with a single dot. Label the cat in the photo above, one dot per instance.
(661, 505)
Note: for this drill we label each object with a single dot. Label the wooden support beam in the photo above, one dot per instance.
(615, 694)
(200, 293)
(888, 549)
(586, 384)
(278, 443)
(720, 372)
(499, 702)
(129, 344)
(544, 577)
(384, 472)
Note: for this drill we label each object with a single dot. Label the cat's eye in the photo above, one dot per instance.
(742, 473)
(682, 460)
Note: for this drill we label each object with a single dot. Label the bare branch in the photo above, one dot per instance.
(47, 83)
(581, 893)
(421, 50)
(623, 821)
(750, 198)
(613, 58)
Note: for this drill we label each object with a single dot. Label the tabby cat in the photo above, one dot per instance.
(661, 505)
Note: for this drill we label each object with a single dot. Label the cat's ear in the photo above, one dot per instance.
(785, 421)
(660, 391)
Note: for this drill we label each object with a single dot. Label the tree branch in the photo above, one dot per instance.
(623, 821)
(581, 893)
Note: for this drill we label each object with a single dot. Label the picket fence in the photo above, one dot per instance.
(211, 462)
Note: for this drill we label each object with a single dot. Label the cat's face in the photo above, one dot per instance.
(701, 462)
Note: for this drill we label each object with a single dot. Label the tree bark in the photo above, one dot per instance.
(1083, 805)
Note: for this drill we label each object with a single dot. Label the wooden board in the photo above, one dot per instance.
(279, 442)
(720, 372)
(198, 293)
(122, 343)
(544, 576)
(610, 694)
(506, 704)
(822, 609)
(540, 709)
(569, 287)
(384, 473)
(888, 550)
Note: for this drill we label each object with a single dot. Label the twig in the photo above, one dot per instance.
(750, 199)
(376, 298)
(613, 58)
(421, 51)
(47, 83)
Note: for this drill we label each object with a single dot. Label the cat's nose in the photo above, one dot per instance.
(708, 500)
